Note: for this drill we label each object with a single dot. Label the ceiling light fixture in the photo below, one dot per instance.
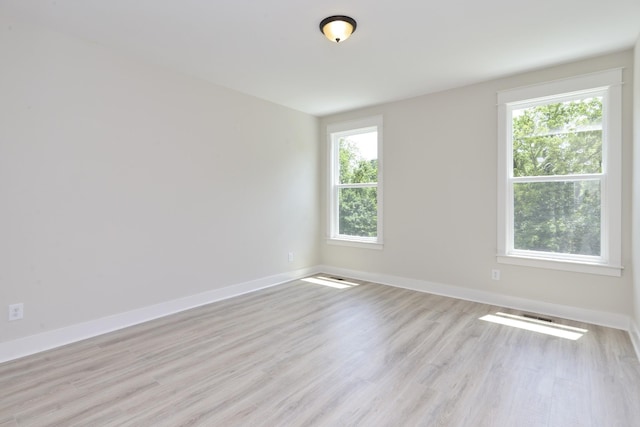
(338, 28)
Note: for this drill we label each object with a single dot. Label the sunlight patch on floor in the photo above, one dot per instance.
(534, 325)
(330, 282)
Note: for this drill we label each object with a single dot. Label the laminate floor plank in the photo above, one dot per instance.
(303, 354)
(8, 422)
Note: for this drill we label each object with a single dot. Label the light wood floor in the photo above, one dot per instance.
(303, 354)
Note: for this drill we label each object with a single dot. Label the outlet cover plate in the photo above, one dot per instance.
(16, 311)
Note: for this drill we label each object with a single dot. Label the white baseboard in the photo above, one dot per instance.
(32, 344)
(634, 333)
(612, 320)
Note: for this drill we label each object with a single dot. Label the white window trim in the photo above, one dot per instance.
(610, 263)
(332, 214)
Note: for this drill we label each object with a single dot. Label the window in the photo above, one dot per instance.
(355, 195)
(559, 195)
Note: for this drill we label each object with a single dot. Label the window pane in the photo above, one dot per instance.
(359, 158)
(560, 217)
(358, 212)
(558, 139)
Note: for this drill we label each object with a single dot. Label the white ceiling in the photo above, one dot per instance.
(273, 49)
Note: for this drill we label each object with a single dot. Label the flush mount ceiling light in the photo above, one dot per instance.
(338, 28)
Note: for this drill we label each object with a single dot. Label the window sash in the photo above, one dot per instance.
(604, 243)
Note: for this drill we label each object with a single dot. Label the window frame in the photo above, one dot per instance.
(334, 132)
(608, 85)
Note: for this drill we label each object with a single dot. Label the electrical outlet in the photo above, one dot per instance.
(495, 274)
(16, 311)
(290, 256)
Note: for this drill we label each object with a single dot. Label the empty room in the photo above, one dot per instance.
(278, 213)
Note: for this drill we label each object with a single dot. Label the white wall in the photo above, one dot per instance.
(124, 185)
(440, 157)
(636, 196)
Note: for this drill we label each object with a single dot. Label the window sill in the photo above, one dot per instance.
(554, 264)
(355, 243)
